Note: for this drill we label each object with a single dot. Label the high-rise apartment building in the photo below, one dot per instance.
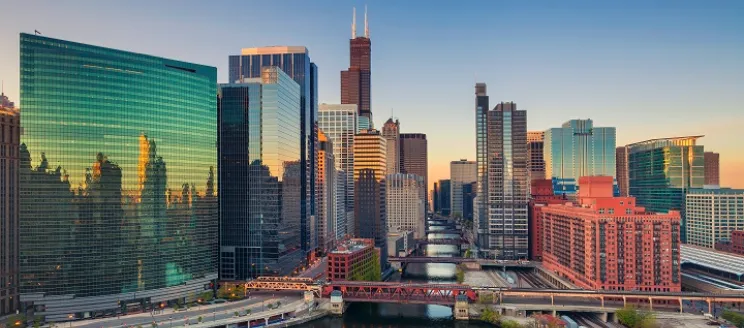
(356, 81)
(480, 222)
(536, 163)
(295, 62)
(414, 156)
(712, 168)
(445, 202)
(468, 199)
(713, 214)
(661, 171)
(435, 198)
(391, 132)
(406, 195)
(609, 243)
(578, 149)
(342, 210)
(370, 167)
(370, 151)
(462, 172)
(621, 169)
(10, 134)
(339, 123)
(326, 197)
(118, 206)
(541, 195)
(506, 235)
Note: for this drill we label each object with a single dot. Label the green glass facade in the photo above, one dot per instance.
(118, 186)
(661, 171)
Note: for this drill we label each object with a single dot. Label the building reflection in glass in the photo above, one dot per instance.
(261, 176)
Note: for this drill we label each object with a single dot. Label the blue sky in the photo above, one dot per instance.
(650, 68)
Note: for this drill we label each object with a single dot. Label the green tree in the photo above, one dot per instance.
(16, 320)
(510, 324)
(490, 316)
(278, 303)
(207, 296)
(468, 253)
(247, 311)
(485, 298)
(460, 274)
(200, 319)
(737, 319)
(236, 313)
(633, 318)
(176, 307)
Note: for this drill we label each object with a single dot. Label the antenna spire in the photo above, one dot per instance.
(353, 23)
(366, 26)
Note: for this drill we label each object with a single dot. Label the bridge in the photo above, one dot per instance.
(443, 241)
(445, 231)
(394, 292)
(427, 259)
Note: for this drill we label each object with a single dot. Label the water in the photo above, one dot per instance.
(380, 315)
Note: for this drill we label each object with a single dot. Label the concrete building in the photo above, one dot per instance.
(578, 149)
(339, 123)
(536, 162)
(621, 169)
(713, 215)
(445, 207)
(435, 198)
(610, 243)
(10, 134)
(414, 156)
(401, 243)
(468, 199)
(461, 172)
(712, 168)
(391, 132)
(737, 242)
(505, 234)
(354, 259)
(480, 223)
(679, 166)
(406, 198)
(370, 167)
(542, 195)
(342, 212)
(327, 218)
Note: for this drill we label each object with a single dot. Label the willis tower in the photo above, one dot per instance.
(355, 81)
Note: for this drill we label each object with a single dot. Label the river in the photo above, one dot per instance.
(380, 315)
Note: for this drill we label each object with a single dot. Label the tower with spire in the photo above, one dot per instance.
(356, 80)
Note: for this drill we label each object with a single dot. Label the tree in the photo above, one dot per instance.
(16, 320)
(460, 274)
(247, 311)
(236, 313)
(630, 317)
(176, 307)
(485, 298)
(278, 303)
(737, 319)
(490, 316)
(468, 253)
(199, 319)
(270, 306)
(510, 324)
(207, 296)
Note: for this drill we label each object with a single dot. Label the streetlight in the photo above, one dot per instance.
(70, 317)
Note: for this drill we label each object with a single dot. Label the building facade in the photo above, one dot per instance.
(357, 80)
(609, 243)
(10, 134)
(480, 224)
(370, 169)
(354, 259)
(536, 163)
(713, 214)
(259, 176)
(621, 169)
(468, 199)
(578, 149)
(462, 172)
(506, 235)
(391, 132)
(445, 202)
(541, 195)
(661, 171)
(712, 168)
(123, 215)
(339, 123)
(327, 218)
(737, 242)
(295, 62)
(406, 195)
(414, 156)
(342, 209)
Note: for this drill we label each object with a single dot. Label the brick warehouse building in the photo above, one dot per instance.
(609, 243)
(542, 195)
(354, 259)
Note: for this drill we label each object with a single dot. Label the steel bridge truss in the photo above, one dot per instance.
(400, 293)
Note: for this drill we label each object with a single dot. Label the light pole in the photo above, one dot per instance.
(70, 317)
(214, 315)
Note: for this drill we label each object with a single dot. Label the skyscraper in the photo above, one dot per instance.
(445, 200)
(326, 217)
(578, 149)
(462, 172)
(10, 134)
(536, 163)
(259, 176)
(414, 156)
(126, 217)
(505, 236)
(435, 198)
(295, 62)
(713, 214)
(356, 81)
(406, 195)
(712, 171)
(370, 167)
(661, 171)
(391, 132)
(339, 123)
(480, 224)
(621, 169)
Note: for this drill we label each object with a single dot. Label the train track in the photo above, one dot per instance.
(588, 320)
(532, 281)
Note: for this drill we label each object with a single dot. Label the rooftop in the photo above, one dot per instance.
(274, 50)
(709, 258)
(352, 246)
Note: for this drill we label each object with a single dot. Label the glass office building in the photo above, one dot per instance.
(259, 176)
(661, 171)
(118, 199)
(575, 150)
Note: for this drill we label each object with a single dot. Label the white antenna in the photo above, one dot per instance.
(366, 26)
(353, 23)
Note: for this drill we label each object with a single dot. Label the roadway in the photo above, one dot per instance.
(317, 270)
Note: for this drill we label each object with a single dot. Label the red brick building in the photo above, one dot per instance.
(542, 195)
(354, 259)
(609, 243)
(737, 242)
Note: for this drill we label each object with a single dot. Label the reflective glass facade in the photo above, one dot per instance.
(118, 190)
(260, 174)
(480, 224)
(578, 149)
(10, 132)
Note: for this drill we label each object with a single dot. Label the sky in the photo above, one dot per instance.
(651, 69)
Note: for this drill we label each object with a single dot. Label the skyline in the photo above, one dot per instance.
(642, 68)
